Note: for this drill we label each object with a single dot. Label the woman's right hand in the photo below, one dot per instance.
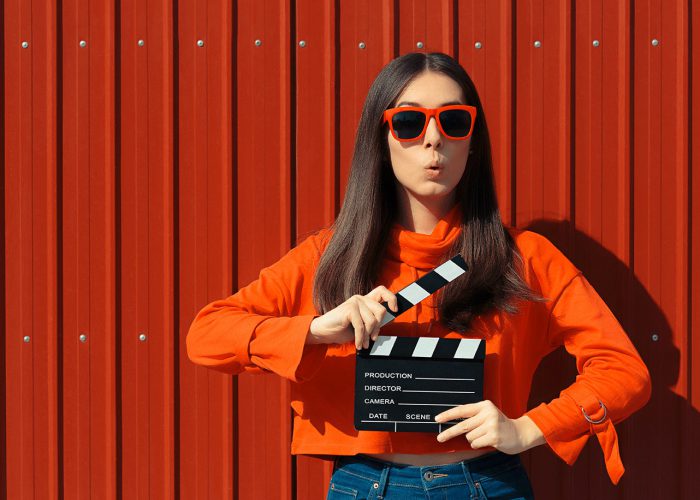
(357, 318)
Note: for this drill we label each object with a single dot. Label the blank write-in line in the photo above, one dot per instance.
(444, 392)
(440, 378)
(426, 404)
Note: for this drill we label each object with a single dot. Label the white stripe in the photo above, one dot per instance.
(425, 347)
(383, 346)
(404, 422)
(467, 348)
(427, 404)
(442, 378)
(441, 392)
(449, 270)
(387, 318)
(414, 293)
(453, 422)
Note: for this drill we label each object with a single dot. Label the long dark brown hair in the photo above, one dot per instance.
(351, 260)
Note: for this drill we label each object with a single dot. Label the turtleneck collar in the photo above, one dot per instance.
(425, 251)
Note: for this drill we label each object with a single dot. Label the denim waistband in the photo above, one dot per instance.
(373, 469)
(492, 475)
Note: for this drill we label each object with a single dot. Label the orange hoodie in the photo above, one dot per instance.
(265, 325)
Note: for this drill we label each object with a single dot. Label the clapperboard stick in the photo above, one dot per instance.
(424, 347)
(424, 287)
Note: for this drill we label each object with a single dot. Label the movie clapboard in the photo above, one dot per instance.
(401, 383)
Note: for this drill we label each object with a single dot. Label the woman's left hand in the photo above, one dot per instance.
(486, 425)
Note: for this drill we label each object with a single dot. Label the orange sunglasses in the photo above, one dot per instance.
(408, 123)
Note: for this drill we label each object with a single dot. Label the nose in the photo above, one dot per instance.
(433, 137)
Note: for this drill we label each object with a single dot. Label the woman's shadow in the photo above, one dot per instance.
(659, 444)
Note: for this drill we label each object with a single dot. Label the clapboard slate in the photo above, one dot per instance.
(401, 383)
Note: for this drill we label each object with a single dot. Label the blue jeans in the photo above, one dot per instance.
(493, 475)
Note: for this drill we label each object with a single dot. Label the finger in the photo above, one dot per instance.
(464, 428)
(476, 433)
(369, 320)
(461, 411)
(379, 311)
(382, 293)
(455, 430)
(475, 422)
(467, 425)
(358, 325)
(482, 442)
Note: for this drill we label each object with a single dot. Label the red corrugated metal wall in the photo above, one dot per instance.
(156, 155)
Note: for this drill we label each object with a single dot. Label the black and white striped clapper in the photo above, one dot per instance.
(401, 383)
(424, 287)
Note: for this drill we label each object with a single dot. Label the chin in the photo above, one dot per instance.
(436, 190)
(432, 194)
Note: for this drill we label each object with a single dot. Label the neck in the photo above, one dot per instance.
(421, 216)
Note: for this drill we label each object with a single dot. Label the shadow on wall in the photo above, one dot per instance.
(660, 444)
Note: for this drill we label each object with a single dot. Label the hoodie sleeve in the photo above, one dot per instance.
(613, 381)
(259, 327)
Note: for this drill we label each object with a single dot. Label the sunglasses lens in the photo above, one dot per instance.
(456, 122)
(408, 124)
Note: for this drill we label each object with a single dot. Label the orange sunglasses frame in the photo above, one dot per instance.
(429, 112)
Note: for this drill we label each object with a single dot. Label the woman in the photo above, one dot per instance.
(421, 190)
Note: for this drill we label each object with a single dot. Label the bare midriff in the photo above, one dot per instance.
(431, 459)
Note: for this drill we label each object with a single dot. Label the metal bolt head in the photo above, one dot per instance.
(419, 45)
(655, 42)
(596, 43)
(302, 43)
(83, 338)
(361, 45)
(258, 43)
(200, 43)
(537, 44)
(655, 337)
(477, 45)
(142, 337)
(25, 45)
(83, 43)
(141, 43)
(26, 339)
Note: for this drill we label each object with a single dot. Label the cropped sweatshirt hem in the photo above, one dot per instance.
(349, 450)
(263, 328)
